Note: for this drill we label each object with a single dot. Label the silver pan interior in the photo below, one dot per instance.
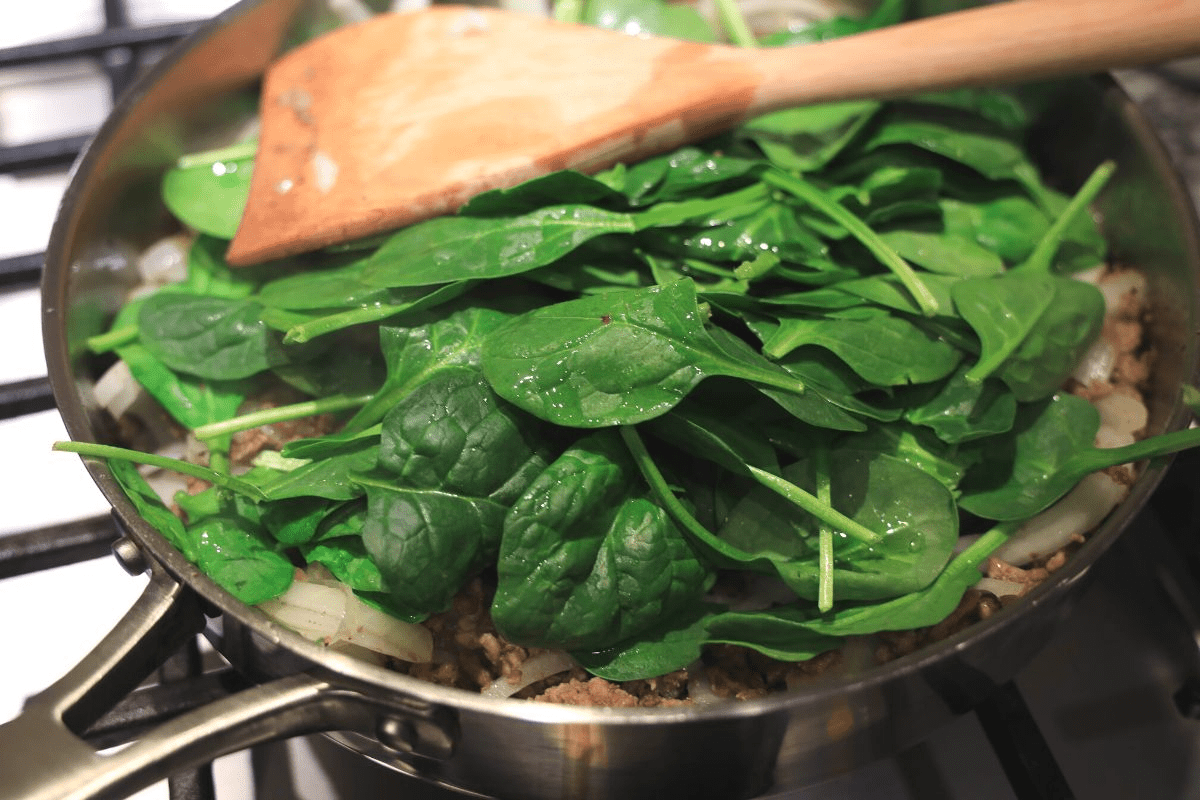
(517, 749)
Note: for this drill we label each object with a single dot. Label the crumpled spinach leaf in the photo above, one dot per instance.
(586, 560)
(452, 458)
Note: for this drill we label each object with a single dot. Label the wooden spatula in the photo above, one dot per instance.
(407, 116)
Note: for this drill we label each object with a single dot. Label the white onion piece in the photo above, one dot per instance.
(534, 669)
(1108, 438)
(1082, 509)
(1097, 363)
(1122, 413)
(332, 614)
(117, 391)
(1000, 588)
(1121, 287)
(700, 689)
(1092, 275)
(164, 262)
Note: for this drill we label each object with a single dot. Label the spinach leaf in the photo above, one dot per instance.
(150, 507)
(990, 152)
(884, 349)
(208, 191)
(943, 252)
(447, 249)
(240, 559)
(414, 354)
(552, 189)
(211, 337)
(1052, 449)
(962, 410)
(913, 510)
(790, 633)
(347, 559)
(585, 561)
(807, 138)
(426, 542)
(680, 174)
(191, 401)
(330, 477)
(613, 358)
(453, 433)
(919, 609)
(452, 458)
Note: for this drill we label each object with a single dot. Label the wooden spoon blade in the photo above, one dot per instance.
(407, 116)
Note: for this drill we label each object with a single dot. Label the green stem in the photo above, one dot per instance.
(104, 342)
(735, 24)
(1042, 257)
(810, 503)
(269, 416)
(761, 265)
(1089, 461)
(726, 206)
(311, 329)
(93, 450)
(813, 196)
(820, 457)
(980, 549)
(721, 552)
(245, 149)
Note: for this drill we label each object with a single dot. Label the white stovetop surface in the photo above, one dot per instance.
(50, 619)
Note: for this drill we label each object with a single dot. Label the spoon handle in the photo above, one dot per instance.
(1004, 43)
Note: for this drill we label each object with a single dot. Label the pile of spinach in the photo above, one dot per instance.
(813, 349)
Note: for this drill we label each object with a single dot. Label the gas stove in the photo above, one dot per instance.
(1110, 709)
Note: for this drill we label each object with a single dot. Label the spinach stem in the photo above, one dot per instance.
(735, 24)
(810, 503)
(814, 197)
(268, 416)
(980, 549)
(670, 213)
(311, 329)
(94, 450)
(1042, 257)
(243, 149)
(662, 491)
(1097, 458)
(117, 337)
(820, 459)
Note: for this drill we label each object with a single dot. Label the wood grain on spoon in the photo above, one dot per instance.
(407, 116)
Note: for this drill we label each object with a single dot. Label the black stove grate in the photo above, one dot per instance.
(121, 51)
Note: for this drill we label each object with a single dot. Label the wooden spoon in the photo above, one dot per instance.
(407, 116)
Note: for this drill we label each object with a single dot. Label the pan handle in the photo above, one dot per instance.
(44, 759)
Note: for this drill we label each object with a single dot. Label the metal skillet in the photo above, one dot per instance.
(511, 749)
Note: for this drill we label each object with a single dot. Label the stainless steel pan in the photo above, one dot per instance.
(511, 749)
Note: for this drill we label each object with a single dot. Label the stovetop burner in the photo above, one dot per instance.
(1108, 710)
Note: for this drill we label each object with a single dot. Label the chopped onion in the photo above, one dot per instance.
(1097, 363)
(117, 390)
(700, 689)
(333, 614)
(1082, 509)
(1092, 275)
(534, 669)
(1000, 588)
(164, 262)
(1107, 438)
(1117, 286)
(1122, 413)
